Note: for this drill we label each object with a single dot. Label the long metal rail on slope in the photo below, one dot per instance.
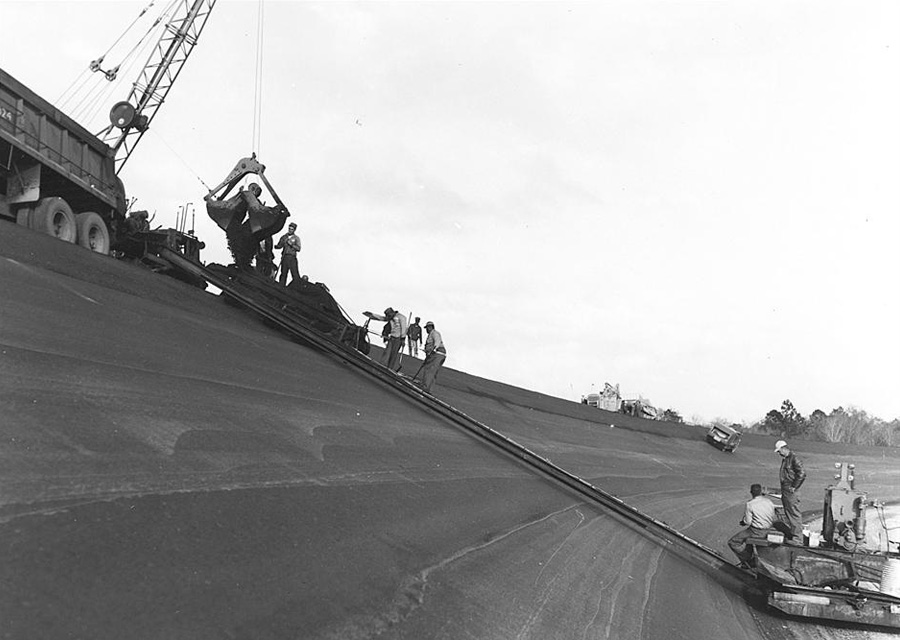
(697, 551)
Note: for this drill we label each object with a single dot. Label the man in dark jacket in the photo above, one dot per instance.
(791, 476)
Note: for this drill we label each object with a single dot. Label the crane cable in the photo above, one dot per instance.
(257, 88)
(93, 99)
(62, 99)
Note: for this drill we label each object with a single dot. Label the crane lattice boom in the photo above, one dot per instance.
(131, 119)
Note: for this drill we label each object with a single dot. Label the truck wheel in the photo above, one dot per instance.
(92, 232)
(54, 217)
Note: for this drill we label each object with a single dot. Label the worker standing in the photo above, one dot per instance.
(791, 476)
(396, 337)
(386, 338)
(289, 244)
(759, 516)
(414, 337)
(435, 354)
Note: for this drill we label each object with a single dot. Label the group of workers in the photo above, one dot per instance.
(397, 330)
(759, 512)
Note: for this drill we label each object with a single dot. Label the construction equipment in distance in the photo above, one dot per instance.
(639, 408)
(609, 399)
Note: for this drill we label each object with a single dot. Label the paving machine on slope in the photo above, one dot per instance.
(835, 575)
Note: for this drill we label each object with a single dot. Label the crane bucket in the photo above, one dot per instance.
(245, 220)
(225, 212)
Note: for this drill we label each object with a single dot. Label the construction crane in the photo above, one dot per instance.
(130, 119)
(67, 185)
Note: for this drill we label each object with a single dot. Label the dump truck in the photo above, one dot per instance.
(55, 176)
(58, 178)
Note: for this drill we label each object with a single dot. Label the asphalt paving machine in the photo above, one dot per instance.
(835, 575)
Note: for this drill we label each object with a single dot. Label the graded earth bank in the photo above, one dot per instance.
(172, 468)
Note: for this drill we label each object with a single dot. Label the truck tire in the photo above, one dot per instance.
(54, 217)
(92, 232)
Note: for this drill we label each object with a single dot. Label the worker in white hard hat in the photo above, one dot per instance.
(791, 476)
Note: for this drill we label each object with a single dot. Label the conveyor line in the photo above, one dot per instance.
(869, 608)
(296, 326)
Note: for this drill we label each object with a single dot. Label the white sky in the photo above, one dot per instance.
(699, 200)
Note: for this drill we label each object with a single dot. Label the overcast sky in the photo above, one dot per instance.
(699, 201)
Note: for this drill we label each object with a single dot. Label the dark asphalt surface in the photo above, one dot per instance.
(170, 468)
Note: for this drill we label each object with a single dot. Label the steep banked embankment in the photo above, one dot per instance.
(172, 468)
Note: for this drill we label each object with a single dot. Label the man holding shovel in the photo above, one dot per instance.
(435, 354)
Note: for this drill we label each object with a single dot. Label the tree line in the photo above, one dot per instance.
(849, 426)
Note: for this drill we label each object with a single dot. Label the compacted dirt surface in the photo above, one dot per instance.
(172, 468)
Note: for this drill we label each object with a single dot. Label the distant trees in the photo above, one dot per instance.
(786, 422)
(850, 426)
(855, 426)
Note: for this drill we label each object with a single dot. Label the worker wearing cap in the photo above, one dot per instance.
(414, 338)
(791, 476)
(289, 244)
(435, 354)
(397, 335)
(759, 516)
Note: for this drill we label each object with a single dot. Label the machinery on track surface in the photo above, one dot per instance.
(723, 437)
(834, 576)
(826, 582)
(309, 304)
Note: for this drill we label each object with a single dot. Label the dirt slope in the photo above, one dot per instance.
(172, 468)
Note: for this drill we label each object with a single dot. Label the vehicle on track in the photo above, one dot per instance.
(725, 438)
